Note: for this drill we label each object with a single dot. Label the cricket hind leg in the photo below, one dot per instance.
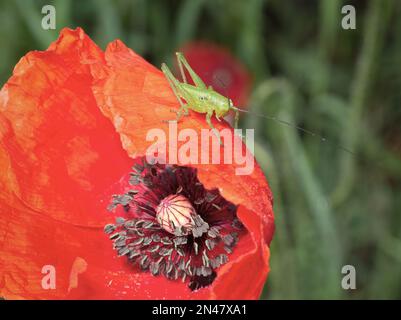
(215, 131)
(182, 62)
(236, 120)
(183, 111)
(173, 82)
(180, 112)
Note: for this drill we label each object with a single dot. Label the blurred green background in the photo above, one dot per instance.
(332, 208)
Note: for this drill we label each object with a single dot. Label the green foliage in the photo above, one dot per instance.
(332, 208)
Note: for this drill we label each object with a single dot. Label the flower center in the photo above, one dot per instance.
(175, 214)
(173, 226)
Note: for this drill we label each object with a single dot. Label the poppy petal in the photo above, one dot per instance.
(137, 98)
(59, 157)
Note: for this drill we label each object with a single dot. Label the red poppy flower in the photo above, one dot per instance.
(73, 121)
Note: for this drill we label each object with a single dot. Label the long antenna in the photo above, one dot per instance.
(287, 123)
(292, 125)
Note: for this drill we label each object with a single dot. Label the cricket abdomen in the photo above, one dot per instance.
(204, 100)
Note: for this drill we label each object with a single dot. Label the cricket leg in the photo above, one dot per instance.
(181, 112)
(182, 62)
(236, 119)
(215, 131)
(174, 84)
(181, 67)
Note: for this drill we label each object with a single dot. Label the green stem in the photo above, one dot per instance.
(330, 249)
(283, 261)
(329, 15)
(250, 43)
(372, 42)
(187, 21)
(109, 22)
(33, 20)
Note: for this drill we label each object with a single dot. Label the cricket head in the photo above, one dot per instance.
(229, 105)
(222, 105)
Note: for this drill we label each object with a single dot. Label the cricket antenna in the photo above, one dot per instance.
(292, 125)
(287, 123)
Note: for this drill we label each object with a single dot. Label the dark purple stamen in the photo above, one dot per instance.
(173, 226)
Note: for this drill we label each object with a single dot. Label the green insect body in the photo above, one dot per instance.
(198, 97)
(203, 99)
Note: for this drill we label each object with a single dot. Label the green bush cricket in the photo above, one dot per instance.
(199, 97)
(204, 99)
